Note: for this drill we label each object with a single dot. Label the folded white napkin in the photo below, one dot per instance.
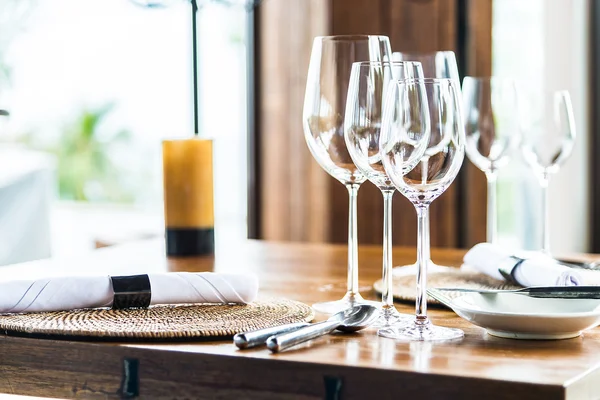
(535, 271)
(69, 293)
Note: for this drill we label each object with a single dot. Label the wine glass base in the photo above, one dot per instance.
(426, 332)
(389, 317)
(412, 269)
(332, 307)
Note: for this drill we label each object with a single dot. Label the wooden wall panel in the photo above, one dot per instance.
(358, 17)
(478, 49)
(426, 26)
(300, 201)
(294, 200)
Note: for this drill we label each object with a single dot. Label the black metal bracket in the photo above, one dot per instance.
(130, 381)
(333, 387)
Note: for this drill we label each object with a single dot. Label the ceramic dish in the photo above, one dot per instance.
(517, 316)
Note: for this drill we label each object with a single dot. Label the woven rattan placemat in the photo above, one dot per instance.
(404, 286)
(179, 322)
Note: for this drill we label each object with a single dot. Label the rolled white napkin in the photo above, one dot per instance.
(69, 293)
(536, 271)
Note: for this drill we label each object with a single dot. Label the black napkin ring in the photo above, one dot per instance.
(131, 291)
(507, 269)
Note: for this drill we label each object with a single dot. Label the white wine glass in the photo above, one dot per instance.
(364, 109)
(492, 130)
(430, 116)
(435, 64)
(323, 121)
(547, 144)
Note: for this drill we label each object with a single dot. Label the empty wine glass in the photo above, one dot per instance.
(364, 109)
(323, 121)
(546, 145)
(429, 114)
(491, 128)
(436, 64)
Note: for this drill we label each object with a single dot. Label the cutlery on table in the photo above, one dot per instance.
(587, 265)
(350, 320)
(258, 337)
(551, 292)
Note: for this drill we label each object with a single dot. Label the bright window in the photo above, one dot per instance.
(99, 84)
(543, 46)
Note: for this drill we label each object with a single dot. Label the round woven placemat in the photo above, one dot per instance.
(158, 322)
(404, 286)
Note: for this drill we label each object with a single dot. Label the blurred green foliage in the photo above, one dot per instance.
(87, 168)
(86, 171)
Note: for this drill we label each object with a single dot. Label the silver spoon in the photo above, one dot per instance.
(350, 320)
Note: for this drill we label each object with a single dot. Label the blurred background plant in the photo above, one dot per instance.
(87, 168)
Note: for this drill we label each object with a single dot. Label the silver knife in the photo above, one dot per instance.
(550, 292)
(588, 265)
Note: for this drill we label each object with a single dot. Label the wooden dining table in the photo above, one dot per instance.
(339, 366)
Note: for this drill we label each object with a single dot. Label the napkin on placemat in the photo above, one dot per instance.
(537, 271)
(69, 293)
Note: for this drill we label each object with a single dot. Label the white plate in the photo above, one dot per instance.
(516, 316)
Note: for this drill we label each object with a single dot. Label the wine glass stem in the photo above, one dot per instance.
(352, 241)
(492, 216)
(422, 261)
(387, 298)
(544, 181)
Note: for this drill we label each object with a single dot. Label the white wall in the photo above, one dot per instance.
(566, 67)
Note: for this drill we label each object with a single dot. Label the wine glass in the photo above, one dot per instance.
(547, 144)
(429, 113)
(362, 126)
(491, 128)
(323, 121)
(436, 64)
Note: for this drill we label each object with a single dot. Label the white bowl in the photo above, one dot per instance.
(516, 316)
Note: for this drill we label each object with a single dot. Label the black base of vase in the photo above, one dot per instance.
(190, 241)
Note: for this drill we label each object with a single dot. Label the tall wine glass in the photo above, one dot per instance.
(547, 144)
(492, 128)
(323, 120)
(436, 64)
(364, 109)
(430, 112)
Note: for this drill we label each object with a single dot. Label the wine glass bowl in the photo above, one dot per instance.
(330, 151)
(323, 122)
(491, 121)
(325, 98)
(364, 111)
(430, 125)
(550, 141)
(402, 142)
(423, 178)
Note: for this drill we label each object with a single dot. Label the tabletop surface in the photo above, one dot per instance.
(504, 368)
